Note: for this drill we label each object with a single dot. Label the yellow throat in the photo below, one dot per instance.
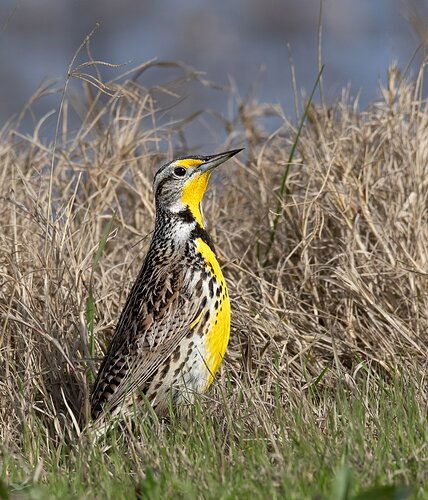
(193, 192)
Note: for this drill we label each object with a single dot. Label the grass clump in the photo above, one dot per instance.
(323, 390)
(299, 450)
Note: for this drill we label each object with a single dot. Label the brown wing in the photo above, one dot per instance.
(154, 321)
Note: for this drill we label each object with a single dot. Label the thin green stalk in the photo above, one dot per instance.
(279, 211)
(90, 301)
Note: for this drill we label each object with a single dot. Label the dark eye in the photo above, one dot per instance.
(180, 171)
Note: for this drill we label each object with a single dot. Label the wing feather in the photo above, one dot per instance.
(153, 323)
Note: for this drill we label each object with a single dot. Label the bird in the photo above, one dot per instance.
(174, 328)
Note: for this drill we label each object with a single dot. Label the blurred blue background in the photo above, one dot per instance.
(245, 40)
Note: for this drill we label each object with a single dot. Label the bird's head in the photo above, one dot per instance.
(180, 185)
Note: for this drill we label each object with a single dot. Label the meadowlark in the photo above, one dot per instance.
(174, 328)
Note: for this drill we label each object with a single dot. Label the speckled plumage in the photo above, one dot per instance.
(174, 327)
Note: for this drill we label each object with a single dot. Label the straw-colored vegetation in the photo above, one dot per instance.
(323, 390)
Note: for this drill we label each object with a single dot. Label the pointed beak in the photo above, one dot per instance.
(211, 162)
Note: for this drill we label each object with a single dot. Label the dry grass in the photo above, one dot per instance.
(342, 291)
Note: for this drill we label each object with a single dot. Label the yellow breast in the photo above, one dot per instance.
(218, 330)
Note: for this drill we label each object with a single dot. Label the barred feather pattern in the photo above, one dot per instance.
(159, 349)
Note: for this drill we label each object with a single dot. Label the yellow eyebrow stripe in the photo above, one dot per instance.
(189, 162)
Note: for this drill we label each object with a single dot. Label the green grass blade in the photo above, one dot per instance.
(90, 301)
(278, 212)
(4, 494)
(342, 484)
(388, 492)
(90, 315)
(102, 243)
